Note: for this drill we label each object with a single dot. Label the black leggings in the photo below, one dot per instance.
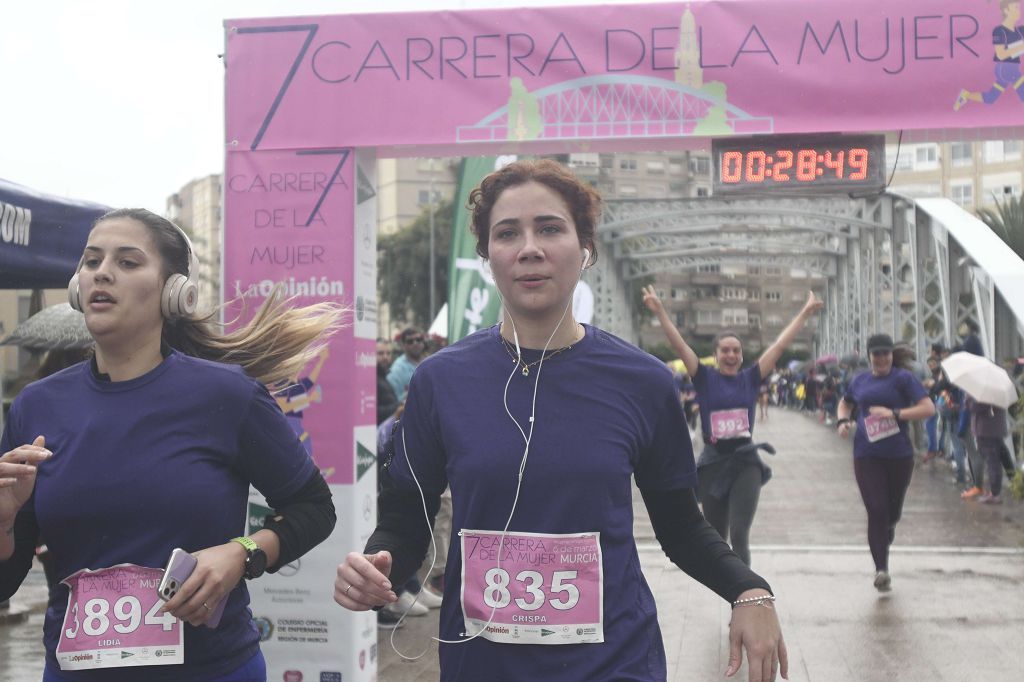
(733, 514)
(991, 450)
(883, 484)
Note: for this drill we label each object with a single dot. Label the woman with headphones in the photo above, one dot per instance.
(731, 471)
(539, 425)
(149, 446)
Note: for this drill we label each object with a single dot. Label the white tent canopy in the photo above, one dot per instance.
(439, 327)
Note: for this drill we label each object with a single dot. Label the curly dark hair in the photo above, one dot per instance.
(583, 200)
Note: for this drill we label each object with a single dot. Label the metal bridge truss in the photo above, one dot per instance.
(956, 290)
(887, 266)
(595, 107)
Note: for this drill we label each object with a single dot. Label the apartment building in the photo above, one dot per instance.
(196, 208)
(974, 174)
(405, 188)
(752, 301)
(645, 175)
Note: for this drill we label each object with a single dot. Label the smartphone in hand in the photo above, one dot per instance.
(179, 568)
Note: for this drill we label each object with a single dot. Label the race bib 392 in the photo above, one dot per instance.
(730, 424)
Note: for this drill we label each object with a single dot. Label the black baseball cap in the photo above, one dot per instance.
(879, 342)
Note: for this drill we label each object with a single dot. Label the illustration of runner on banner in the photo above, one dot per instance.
(1008, 42)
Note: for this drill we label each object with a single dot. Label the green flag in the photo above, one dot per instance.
(472, 298)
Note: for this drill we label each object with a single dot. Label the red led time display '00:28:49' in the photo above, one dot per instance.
(807, 165)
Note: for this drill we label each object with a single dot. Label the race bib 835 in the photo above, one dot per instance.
(541, 588)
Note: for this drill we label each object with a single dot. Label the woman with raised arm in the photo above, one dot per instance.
(540, 425)
(151, 446)
(730, 470)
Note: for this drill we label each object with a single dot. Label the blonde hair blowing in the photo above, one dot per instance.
(272, 348)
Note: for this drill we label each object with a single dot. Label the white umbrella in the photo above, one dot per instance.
(983, 380)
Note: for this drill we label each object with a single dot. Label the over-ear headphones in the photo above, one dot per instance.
(180, 294)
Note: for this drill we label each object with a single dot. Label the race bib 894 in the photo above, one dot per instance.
(113, 620)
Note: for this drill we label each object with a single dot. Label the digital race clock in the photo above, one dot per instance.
(798, 163)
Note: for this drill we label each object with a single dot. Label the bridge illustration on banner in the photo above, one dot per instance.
(595, 107)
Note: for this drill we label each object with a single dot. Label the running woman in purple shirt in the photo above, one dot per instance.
(149, 446)
(880, 403)
(731, 471)
(540, 425)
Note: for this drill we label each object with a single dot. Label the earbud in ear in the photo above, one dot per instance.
(586, 258)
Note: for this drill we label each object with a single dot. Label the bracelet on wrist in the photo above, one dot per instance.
(765, 601)
(896, 413)
(844, 420)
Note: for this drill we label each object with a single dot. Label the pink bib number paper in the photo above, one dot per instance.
(542, 589)
(730, 424)
(877, 428)
(113, 621)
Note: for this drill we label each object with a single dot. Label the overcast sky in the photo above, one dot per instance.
(122, 102)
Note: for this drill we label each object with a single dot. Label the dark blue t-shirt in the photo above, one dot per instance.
(972, 344)
(1004, 37)
(143, 466)
(715, 391)
(606, 413)
(900, 389)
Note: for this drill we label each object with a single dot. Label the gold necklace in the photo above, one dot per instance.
(526, 366)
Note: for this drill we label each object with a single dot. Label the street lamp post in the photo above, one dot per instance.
(430, 197)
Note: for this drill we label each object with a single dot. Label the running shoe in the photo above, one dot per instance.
(406, 605)
(429, 598)
(961, 100)
(388, 621)
(971, 493)
(883, 583)
(989, 498)
(436, 584)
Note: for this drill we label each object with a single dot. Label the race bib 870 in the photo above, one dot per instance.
(541, 588)
(877, 428)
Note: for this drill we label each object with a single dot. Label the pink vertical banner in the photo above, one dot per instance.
(289, 223)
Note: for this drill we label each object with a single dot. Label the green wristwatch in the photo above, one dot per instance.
(255, 558)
